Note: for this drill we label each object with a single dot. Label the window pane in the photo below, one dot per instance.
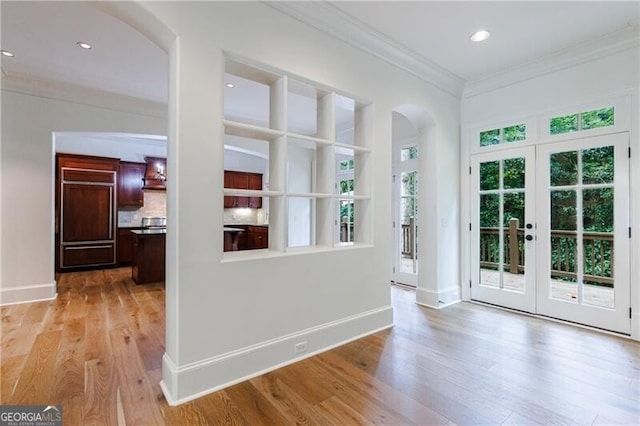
(301, 157)
(345, 119)
(409, 153)
(515, 133)
(563, 168)
(489, 175)
(597, 165)
(246, 92)
(345, 167)
(563, 211)
(597, 118)
(513, 173)
(568, 123)
(409, 182)
(597, 209)
(490, 137)
(490, 249)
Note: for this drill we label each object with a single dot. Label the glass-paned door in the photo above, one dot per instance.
(503, 228)
(583, 231)
(406, 227)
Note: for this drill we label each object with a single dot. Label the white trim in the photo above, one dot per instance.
(336, 23)
(82, 95)
(181, 384)
(619, 41)
(440, 299)
(27, 294)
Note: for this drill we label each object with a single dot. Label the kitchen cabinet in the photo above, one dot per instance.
(155, 175)
(85, 211)
(257, 237)
(242, 180)
(130, 183)
(148, 256)
(124, 246)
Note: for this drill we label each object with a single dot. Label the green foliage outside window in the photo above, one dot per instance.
(346, 165)
(514, 133)
(582, 121)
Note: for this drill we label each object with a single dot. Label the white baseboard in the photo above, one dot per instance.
(181, 384)
(635, 326)
(438, 299)
(32, 293)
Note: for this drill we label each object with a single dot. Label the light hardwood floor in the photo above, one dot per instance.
(97, 350)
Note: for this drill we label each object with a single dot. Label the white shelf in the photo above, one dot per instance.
(293, 136)
(249, 131)
(250, 193)
(309, 194)
(351, 197)
(355, 148)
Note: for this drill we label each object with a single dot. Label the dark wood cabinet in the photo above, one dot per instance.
(124, 246)
(257, 237)
(130, 183)
(148, 257)
(155, 175)
(242, 180)
(85, 211)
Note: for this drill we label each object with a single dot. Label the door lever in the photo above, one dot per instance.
(529, 237)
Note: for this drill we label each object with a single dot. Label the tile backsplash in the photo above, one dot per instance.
(244, 216)
(155, 205)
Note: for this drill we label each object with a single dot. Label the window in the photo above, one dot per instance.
(409, 153)
(509, 134)
(314, 148)
(582, 121)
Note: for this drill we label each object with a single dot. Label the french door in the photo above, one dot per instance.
(406, 226)
(550, 230)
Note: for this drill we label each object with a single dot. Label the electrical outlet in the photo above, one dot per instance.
(300, 348)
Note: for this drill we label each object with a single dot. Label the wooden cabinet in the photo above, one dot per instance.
(155, 175)
(148, 256)
(130, 183)
(242, 180)
(124, 246)
(257, 237)
(85, 211)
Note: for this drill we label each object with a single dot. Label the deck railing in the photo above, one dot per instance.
(597, 253)
(408, 238)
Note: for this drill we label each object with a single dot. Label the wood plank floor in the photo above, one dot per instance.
(97, 350)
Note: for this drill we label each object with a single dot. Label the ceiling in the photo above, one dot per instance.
(43, 37)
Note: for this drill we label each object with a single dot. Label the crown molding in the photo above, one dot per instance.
(336, 23)
(610, 44)
(83, 95)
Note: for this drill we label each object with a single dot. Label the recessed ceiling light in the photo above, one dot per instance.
(480, 35)
(7, 53)
(230, 85)
(84, 45)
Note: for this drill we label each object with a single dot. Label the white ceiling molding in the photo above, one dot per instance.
(618, 41)
(54, 89)
(331, 20)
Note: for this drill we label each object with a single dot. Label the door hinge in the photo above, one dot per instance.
(469, 283)
(630, 313)
(469, 169)
(629, 152)
(469, 227)
(394, 269)
(629, 232)
(394, 178)
(394, 223)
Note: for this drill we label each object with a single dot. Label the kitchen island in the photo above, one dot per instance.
(148, 255)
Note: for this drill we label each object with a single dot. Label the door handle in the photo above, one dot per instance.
(529, 226)
(529, 237)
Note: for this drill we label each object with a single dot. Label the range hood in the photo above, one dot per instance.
(155, 175)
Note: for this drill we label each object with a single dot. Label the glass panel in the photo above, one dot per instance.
(597, 243)
(515, 133)
(300, 221)
(245, 155)
(490, 258)
(490, 137)
(597, 165)
(597, 118)
(241, 95)
(409, 183)
(568, 123)
(489, 175)
(563, 168)
(409, 153)
(346, 220)
(513, 173)
(513, 221)
(563, 272)
(345, 119)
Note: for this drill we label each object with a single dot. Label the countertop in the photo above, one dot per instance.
(149, 231)
(229, 229)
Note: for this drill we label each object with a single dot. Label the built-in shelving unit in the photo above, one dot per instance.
(319, 156)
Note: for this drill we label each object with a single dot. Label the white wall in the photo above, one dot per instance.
(228, 320)
(603, 79)
(125, 147)
(28, 123)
